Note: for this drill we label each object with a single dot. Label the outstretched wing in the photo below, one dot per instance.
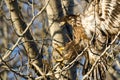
(111, 16)
(102, 16)
(101, 22)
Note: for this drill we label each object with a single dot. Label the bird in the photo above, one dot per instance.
(72, 48)
(97, 27)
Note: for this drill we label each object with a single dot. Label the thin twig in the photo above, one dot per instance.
(31, 22)
(102, 54)
(8, 52)
(71, 63)
(14, 71)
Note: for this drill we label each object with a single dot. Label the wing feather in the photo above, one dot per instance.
(111, 15)
(107, 20)
(101, 23)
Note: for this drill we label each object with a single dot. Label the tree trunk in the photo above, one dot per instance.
(56, 10)
(19, 25)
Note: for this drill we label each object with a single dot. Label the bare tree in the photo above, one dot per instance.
(59, 39)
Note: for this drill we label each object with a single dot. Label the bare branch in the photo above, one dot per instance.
(102, 54)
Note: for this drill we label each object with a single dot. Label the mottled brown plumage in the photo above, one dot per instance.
(75, 46)
(96, 27)
(78, 30)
